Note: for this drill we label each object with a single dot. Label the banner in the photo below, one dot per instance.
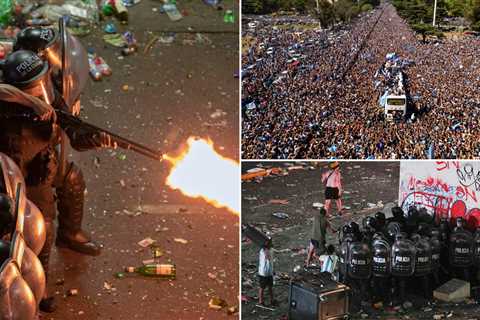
(444, 188)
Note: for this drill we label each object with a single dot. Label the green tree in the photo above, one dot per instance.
(366, 7)
(423, 29)
(472, 12)
(345, 10)
(252, 6)
(426, 30)
(300, 5)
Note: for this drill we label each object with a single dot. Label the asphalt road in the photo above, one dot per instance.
(173, 91)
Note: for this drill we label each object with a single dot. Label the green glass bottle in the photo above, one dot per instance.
(229, 17)
(108, 10)
(165, 271)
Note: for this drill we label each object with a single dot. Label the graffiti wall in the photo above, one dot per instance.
(445, 188)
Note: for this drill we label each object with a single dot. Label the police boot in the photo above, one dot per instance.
(47, 304)
(70, 198)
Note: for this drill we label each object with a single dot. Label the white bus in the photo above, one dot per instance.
(394, 99)
(395, 106)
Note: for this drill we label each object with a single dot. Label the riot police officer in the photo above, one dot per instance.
(380, 222)
(369, 229)
(423, 263)
(461, 250)
(393, 228)
(436, 246)
(22, 277)
(381, 263)
(403, 263)
(476, 254)
(29, 137)
(69, 182)
(346, 238)
(355, 230)
(397, 216)
(359, 268)
(411, 221)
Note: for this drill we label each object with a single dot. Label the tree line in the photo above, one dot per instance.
(419, 13)
(328, 14)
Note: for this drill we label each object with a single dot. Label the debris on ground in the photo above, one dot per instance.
(180, 240)
(278, 201)
(280, 215)
(260, 173)
(146, 242)
(453, 290)
(216, 303)
(72, 292)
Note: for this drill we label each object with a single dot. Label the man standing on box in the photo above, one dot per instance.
(333, 187)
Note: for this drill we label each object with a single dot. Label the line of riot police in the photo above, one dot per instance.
(409, 249)
(22, 236)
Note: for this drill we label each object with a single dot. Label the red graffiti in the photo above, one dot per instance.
(435, 202)
(443, 207)
(459, 208)
(445, 165)
(430, 182)
(465, 193)
(473, 219)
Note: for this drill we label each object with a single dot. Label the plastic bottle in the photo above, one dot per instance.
(93, 70)
(102, 66)
(229, 17)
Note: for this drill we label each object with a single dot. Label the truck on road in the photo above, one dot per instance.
(393, 100)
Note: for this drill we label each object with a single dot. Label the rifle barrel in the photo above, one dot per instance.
(122, 142)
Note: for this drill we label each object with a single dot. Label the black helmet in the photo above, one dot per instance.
(424, 216)
(412, 214)
(370, 223)
(397, 212)
(380, 217)
(35, 39)
(25, 70)
(354, 226)
(460, 222)
(346, 229)
(393, 228)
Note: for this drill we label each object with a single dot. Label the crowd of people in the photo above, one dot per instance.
(310, 93)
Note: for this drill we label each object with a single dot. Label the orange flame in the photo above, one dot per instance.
(200, 172)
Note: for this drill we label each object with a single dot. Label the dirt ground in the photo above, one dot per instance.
(173, 91)
(365, 184)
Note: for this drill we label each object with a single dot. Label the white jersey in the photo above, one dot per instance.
(265, 264)
(329, 263)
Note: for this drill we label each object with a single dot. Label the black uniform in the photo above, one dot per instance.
(29, 142)
(29, 135)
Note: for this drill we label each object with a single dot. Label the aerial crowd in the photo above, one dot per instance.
(310, 93)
